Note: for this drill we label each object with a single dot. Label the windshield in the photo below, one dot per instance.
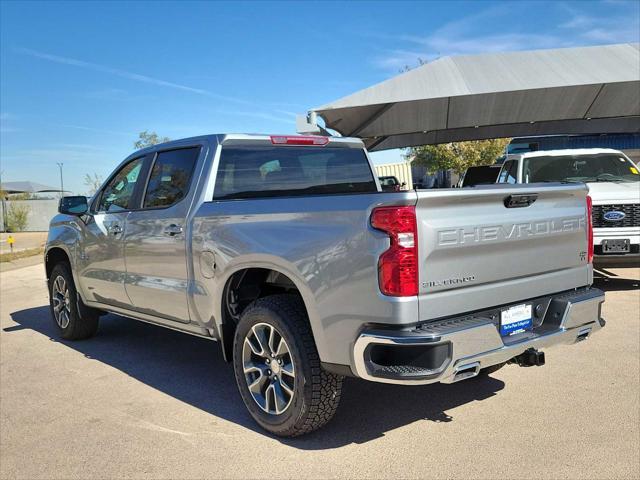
(601, 167)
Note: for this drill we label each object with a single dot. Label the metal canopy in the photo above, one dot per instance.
(26, 187)
(473, 97)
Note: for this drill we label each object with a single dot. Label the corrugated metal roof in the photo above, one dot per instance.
(26, 187)
(569, 90)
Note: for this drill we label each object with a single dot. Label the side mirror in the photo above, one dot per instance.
(404, 184)
(73, 205)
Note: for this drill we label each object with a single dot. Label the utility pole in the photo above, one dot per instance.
(60, 164)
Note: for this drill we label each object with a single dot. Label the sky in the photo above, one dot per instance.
(80, 80)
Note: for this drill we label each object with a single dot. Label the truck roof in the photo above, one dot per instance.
(264, 138)
(562, 152)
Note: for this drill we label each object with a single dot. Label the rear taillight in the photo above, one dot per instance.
(398, 266)
(589, 229)
(313, 140)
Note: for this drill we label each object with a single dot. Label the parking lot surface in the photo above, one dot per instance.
(23, 241)
(145, 402)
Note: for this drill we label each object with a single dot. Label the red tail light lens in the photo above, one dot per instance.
(398, 266)
(314, 140)
(589, 229)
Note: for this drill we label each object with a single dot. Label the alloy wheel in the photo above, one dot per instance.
(61, 302)
(268, 368)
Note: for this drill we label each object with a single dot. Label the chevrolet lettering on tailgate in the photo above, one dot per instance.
(491, 233)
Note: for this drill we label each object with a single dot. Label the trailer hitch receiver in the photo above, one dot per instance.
(530, 358)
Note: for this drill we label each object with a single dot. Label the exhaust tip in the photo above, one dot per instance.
(583, 335)
(466, 371)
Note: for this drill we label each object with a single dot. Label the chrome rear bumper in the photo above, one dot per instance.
(455, 349)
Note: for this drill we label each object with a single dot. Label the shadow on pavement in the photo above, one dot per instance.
(192, 370)
(608, 281)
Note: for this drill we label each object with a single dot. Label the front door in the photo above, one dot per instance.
(155, 238)
(101, 261)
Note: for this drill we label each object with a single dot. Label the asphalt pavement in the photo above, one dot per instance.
(139, 401)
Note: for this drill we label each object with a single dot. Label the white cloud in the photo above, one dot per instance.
(119, 94)
(112, 94)
(459, 38)
(258, 115)
(287, 113)
(126, 74)
(621, 26)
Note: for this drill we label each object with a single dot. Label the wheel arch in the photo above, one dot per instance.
(278, 278)
(55, 255)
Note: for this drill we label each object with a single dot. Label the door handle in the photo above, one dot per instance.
(115, 229)
(173, 230)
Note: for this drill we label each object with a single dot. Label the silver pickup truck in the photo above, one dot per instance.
(286, 251)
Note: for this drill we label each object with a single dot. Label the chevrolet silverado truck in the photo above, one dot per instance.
(285, 250)
(613, 181)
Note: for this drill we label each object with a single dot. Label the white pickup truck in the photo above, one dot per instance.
(614, 187)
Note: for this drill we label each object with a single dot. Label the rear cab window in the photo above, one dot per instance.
(282, 171)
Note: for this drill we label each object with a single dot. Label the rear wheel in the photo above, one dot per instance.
(73, 319)
(278, 371)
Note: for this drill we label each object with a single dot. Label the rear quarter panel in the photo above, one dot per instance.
(324, 244)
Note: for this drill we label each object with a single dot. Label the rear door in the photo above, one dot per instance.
(475, 252)
(155, 239)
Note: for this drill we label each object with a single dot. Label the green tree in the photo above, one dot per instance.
(147, 139)
(92, 182)
(457, 156)
(17, 217)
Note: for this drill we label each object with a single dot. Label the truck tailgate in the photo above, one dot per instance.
(476, 253)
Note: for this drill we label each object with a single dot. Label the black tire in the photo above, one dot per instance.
(82, 321)
(316, 393)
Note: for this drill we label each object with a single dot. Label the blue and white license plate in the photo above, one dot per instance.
(515, 319)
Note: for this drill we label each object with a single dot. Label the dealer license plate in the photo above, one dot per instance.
(515, 319)
(616, 246)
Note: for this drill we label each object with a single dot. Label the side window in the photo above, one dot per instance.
(118, 193)
(509, 173)
(170, 177)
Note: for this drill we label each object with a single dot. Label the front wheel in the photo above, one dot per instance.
(73, 319)
(278, 370)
